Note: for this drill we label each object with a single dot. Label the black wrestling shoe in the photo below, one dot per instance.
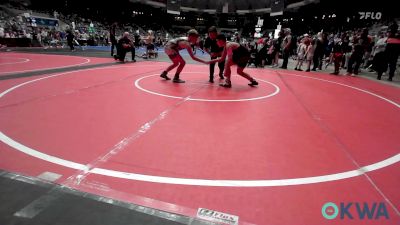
(226, 85)
(211, 81)
(221, 77)
(253, 83)
(164, 75)
(177, 80)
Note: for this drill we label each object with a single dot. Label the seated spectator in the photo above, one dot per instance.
(253, 56)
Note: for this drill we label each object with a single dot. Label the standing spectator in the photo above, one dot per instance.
(310, 54)
(326, 51)
(337, 55)
(201, 44)
(276, 49)
(380, 63)
(137, 39)
(301, 52)
(393, 28)
(356, 57)
(286, 47)
(263, 53)
(45, 38)
(39, 38)
(236, 37)
(318, 53)
(392, 52)
(366, 42)
(194, 48)
(70, 40)
(346, 50)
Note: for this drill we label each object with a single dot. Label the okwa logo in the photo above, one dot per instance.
(351, 210)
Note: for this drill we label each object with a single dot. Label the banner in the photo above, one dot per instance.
(39, 21)
(218, 217)
(174, 7)
(370, 15)
(277, 7)
(225, 8)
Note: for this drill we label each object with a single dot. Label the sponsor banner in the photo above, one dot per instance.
(218, 217)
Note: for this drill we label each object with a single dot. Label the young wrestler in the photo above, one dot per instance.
(310, 54)
(301, 52)
(237, 54)
(149, 42)
(172, 50)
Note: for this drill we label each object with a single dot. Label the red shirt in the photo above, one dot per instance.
(393, 41)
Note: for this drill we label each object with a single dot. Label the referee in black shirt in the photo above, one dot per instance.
(211, 47)
(113, 38)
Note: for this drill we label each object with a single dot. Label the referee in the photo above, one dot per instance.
(211, 47)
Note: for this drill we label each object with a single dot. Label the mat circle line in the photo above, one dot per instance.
(11, 63)
(87, 60)
(137, 85)
(201, 182)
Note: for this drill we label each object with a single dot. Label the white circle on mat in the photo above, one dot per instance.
(201, 182)
(24, 60)
(276, 91)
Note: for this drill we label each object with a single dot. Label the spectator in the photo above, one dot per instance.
(355, 58)
(392, 52)
(286, 47)
(125, 45)
(318, 52)
(310, 54)
(301, 52)
(337, 55)
(379, 63)
(70, 40)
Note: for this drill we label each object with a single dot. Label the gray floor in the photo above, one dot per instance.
(31, 201)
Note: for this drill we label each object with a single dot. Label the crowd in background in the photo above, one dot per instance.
(349, 50)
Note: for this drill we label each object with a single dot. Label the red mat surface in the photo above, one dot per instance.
(25, 62)
(272, 154)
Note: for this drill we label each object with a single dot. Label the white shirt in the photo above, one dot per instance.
(380, 45)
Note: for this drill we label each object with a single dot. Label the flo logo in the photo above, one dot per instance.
(372, 15)
(351, 210)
